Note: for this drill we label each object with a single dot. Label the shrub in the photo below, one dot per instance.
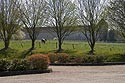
(99, 59)
(38, 61)
(86, 59)
(72, 59)
(53, 57)
(93, 59)
(18, 65)
(63, 57)
(76, 59)
(58, 57)
(116, 58)
(4, 65)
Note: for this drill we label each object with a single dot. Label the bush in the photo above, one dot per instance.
(87, 59)
(76, 59)
(38, 61)
(4, 65)
(58, 57)
(53, 57)
(63, 57)
(34, 62)
(99, 59)
(116, 58)
(93, 59)
(17, 65)
(81, 59)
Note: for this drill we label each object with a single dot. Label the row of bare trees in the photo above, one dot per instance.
(116, 15)
(63, 16)
(9, 20)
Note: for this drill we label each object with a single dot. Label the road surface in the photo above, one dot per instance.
(73, 74)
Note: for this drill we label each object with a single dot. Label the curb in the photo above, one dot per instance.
(13, 73)
(89, 64)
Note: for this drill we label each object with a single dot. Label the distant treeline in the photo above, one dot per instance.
(107, 36)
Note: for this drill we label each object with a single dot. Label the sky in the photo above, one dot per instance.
(72, 0)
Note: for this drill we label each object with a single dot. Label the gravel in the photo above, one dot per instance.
(73, 74)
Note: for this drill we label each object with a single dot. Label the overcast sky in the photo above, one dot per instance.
(72, 0)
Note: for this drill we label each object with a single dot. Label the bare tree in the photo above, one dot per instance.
(92, 19)
(9, 20)
(33, 14)
(62, 19)
(117, 15)
(19, 35)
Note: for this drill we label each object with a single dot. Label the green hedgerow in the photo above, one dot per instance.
(18, 65)
(4, 65)
(58, 57)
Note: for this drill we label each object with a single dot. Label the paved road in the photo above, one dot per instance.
(73, 74)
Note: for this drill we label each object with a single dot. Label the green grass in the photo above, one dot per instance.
(17, 51)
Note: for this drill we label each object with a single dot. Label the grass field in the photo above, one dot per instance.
(19, 49)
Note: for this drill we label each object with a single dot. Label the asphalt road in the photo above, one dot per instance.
(73, 74)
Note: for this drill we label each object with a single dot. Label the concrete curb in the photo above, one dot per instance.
(89, 64)
(13, 73)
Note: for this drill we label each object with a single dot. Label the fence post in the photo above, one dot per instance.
(73, 46)
(39, 44)
(56, 44)
(21, 44)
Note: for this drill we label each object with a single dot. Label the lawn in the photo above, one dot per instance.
(19, 49)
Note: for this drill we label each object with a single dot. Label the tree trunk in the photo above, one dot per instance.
(6, 44)
(59, 45)
(33, 44)
(92, 48)
(93, 40)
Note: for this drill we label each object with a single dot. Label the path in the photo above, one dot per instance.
(73, 74)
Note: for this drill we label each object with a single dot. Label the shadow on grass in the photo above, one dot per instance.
(8, 52)
(26, 52)
(46, 52)
(69, 51)
(63, 51)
